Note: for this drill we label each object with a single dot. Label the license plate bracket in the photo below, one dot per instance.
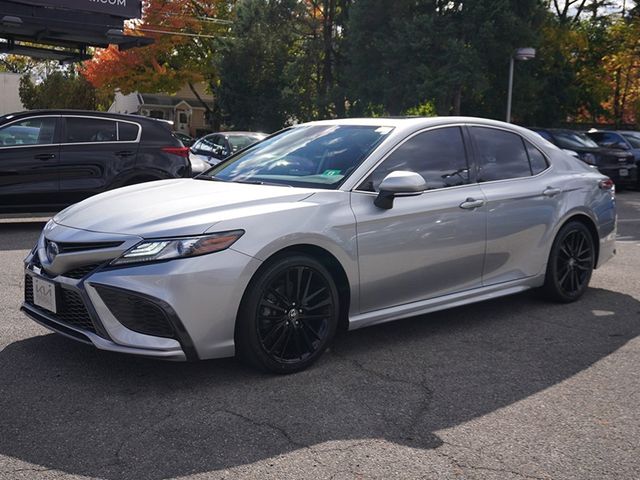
(45, 294)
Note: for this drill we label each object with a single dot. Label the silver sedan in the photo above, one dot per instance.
(325, 225)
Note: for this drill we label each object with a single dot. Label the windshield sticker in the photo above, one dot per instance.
(331, 173)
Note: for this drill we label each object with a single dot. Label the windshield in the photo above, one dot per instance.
(316, 156)
(574, 140)
(238, 142)
(633, 139)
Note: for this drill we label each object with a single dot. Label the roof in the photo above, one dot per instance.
(168, 100)
(92, 113)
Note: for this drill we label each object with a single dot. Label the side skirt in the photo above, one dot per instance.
(442, 303)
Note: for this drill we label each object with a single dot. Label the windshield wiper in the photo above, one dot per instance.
(211, 178)
(260, 182)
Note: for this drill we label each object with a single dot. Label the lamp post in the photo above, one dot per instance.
(523, 54)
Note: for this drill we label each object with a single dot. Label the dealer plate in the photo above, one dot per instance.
(44, 294)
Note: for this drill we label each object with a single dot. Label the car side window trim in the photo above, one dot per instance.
(363, 178)
(136, 140)
(524, 139)
(38, 145)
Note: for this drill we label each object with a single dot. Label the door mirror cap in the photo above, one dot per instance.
(399, 184)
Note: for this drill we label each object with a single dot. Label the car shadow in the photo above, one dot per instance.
(72, 408)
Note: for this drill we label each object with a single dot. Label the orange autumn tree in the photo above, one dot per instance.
(186, 34)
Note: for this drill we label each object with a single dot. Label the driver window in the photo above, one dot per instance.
(438, 155)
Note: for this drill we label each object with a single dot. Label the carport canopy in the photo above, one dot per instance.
(63, 29)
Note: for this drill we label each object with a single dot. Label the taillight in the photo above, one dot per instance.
(180, 151)
(606, 184)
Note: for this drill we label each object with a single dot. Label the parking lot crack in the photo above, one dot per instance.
(464, 466)
(272, 426)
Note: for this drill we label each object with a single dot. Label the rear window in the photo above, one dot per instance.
(127, 132)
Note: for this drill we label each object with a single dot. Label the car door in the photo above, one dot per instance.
(427, 245)
(91, 156)
(523, 203)
(29, 156)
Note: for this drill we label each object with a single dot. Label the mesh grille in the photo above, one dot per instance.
(81, 272)
(71, 309)
(137, 313)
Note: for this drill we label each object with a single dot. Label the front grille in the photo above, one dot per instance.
(81, 272)
(69, 247)
(137, 313)
(71, 308)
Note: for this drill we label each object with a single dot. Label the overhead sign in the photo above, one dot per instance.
(117, 8)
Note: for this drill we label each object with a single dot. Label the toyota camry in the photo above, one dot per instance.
(325, 225)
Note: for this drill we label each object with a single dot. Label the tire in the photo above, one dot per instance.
(288, 315)
(570, 264)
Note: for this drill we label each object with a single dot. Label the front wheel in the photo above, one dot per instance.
(288, 316)
(570, 264)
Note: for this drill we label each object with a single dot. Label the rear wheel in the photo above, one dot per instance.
(570, 264)
(289, 315)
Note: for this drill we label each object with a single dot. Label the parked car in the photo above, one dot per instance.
(627, 140)
(50, 159)
(337, 223)
(186, 140)
(617, 165)
(215, 147)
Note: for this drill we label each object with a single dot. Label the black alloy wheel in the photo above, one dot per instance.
(289, 315)
(571, 263)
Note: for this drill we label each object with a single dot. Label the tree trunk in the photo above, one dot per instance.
(210, 113)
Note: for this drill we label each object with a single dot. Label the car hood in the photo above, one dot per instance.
(174, 207)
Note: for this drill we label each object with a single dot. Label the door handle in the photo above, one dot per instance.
(124, 153)
(471, 203)
(45, 156)
(551, 191)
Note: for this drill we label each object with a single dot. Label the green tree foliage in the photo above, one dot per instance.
(258, 65)
(455, 53)
(58, 90)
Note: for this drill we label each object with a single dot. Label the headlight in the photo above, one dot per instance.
(589, 158)
(166, 249)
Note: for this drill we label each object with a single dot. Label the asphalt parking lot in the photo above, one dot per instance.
(510, 388)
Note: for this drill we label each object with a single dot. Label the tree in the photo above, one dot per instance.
(181, 57)
(452, 53)
(58, 90)
(258, 83)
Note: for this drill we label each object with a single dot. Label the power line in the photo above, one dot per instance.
(182, 34)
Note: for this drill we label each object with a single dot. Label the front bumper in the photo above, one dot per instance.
(182, 309)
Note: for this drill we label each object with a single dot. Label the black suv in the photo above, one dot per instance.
(53, 158)
(618, 165)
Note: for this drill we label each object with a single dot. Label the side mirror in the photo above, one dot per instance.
(399, 184)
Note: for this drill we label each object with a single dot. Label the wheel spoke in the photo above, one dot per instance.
(312, 317)
(313, 332)
(278, 341)
(564, 277)
(308, 298)
(283, 299)
(300, 270)
(323, 303)
(266, 303)
(274, 328)
(283, 352)
(310, 347)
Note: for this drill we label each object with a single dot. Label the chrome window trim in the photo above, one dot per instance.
(406, 139)
(460, 125)
(137, 140)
